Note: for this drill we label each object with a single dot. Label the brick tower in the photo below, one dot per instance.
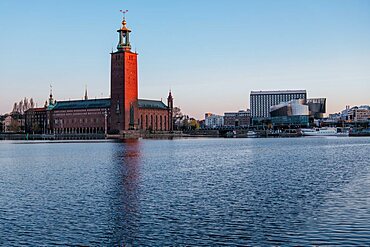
(124, 83)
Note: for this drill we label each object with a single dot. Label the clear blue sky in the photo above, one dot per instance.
(211, 53)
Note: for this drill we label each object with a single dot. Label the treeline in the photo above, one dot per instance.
(23, 105)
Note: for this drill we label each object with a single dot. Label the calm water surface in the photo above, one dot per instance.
(299, 191)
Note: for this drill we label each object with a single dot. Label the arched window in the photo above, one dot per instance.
(160, 122)
(146, 121)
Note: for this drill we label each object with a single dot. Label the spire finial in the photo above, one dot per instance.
(123, 13)
(123, 18)
(86, 97)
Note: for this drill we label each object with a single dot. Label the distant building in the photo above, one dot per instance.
(13, 122)
(334, 117)
(78, 116)
(36, 120)
(261, 101)
(356, 114)
(290, 108)
(293, 112)
(213, 120)
(317, 107)
(234, 119)
(359, 114)
(7, 124)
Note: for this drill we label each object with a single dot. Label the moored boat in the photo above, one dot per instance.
(322, 132)
(251, 134)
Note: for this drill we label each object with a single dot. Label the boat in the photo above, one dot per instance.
(323, 132)
(251, 134)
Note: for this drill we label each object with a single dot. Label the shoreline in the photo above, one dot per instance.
(162, 136)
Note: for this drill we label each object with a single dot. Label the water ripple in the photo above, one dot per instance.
(200, 192)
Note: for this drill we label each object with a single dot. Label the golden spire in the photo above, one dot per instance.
(124, 28)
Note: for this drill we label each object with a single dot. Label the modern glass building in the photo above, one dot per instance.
(261, 101)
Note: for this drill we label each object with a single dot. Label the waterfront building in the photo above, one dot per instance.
(293, 112)
(115, 115)
(36, 120)
(317, 107)
(213, 120)
(357, 113)
(13, 122)
(127, 112)
(351, 114)
(261, 101)
(79, 116)
(241, 118)
(290, 108)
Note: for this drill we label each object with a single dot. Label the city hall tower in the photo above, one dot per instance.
(124, 83)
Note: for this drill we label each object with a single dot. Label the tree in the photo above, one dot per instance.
(32, 103)
(25, 104)
(14, 125)
(177, 117)
(35, 128)
(20, 107)
(177, 112)
(194, 124)
(15, 107)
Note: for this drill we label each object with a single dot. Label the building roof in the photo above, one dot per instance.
(80, 104)
(103, 103)
(278, 92)
(39, 109)
(151, 104)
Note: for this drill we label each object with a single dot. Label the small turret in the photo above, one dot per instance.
(170, 111)
(124, 35)
(170, 100)
(51, 100)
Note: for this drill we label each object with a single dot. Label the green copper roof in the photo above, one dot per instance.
(156, 104)
(102, 103)
(80, 104)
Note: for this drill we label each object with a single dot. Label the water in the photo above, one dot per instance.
(299, 191)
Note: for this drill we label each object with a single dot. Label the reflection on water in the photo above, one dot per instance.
(302, 191)
(126, 210)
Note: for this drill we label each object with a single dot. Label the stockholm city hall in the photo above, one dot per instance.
(122, 112)
(127, 111)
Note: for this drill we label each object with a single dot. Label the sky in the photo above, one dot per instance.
(210, 53)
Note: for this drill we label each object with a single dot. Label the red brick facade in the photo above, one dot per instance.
(64, 119)
(124, 89)
(153, 119)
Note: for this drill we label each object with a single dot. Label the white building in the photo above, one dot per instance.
(213, 120)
